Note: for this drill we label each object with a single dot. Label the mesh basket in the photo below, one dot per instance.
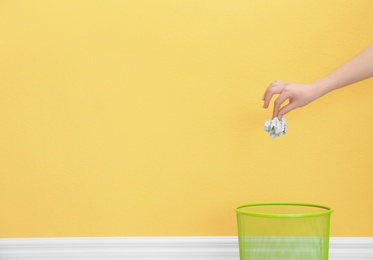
(283, 231)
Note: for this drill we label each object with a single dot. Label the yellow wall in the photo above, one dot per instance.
(144, 118)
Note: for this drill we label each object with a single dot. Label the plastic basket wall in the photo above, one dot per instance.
(283, 231)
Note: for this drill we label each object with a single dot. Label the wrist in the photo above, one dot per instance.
(321, 87)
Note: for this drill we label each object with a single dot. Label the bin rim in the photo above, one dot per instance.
(327, 211)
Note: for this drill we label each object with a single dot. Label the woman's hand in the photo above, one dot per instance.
(298, 95)
(358, 68)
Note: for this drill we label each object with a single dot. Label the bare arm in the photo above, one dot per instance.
(358, 68)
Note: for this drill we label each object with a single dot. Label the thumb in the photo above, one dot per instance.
(286, 109)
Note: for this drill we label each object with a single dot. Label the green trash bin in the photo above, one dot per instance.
(283, 231)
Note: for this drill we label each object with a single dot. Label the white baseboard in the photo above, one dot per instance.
(156, 248)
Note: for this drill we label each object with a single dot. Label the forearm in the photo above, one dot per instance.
(358, 68)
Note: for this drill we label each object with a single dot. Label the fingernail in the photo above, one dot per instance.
(263, 98)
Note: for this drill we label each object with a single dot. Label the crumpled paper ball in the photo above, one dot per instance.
(276, 127)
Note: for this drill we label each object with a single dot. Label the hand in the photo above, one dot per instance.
(298, 95)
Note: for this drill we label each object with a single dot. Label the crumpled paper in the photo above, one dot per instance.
(276, 127)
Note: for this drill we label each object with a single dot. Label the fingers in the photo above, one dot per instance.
(278, 87)
(274, 88)
(286, 109)
(277, 104)
(297, 94)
